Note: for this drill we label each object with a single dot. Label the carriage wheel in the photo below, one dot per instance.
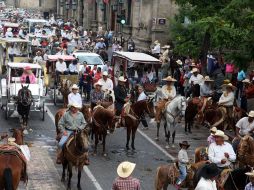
(43, 112)
(54, 95)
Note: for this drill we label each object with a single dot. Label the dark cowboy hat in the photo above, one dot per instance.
(184, 143)
(209, 171)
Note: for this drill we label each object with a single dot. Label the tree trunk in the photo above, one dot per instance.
(204, 50)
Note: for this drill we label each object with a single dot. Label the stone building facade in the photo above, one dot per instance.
(146, 20)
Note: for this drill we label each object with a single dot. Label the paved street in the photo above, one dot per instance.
(44, 174)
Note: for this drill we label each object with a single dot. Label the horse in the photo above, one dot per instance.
(24, 101)
(65, 90)
(190, 113)
(102, 121)
(174, 109)
(86, 110)
(74, 154)
(168, 174)
(11, 172)
(132, 119)
(245, 151)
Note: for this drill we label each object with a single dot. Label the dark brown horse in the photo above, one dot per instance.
(86, 110)
(12, 166)
(103, 120)
(245, 152)
(132, 119)
(75, 153)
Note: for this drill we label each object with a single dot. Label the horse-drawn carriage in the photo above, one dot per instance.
(11, 85)
(61, 84)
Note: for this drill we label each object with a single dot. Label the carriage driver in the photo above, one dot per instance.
(71, 121)
(74, 96)
(227, 101)
(168, 94)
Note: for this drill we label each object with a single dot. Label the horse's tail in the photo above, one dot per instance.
(8, 179)
(156, 184)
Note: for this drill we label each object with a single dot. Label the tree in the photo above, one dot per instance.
(221, 26)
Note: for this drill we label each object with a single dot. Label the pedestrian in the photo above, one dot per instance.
(11, 53)
(156, 49)
(125, 181)
(250, 185)
(240, 77)
(208, 176)
(244, 102)
(183, 160)
(141, 97)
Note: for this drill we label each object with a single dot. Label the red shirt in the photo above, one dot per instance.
(128, 183)
(97, 76)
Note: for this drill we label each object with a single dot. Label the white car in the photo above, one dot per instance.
(90, 58)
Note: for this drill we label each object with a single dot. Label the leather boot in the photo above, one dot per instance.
(59, 156)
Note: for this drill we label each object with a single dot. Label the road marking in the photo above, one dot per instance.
(156, 145)
(86, 169)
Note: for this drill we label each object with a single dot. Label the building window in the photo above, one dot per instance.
(40, 2)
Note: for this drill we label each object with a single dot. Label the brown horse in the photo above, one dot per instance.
(75, 153)
(65, 90)
(132, 119)
(103, 120)
(201, 154)
(12, 167)
(86, 110)
(168, 174)
(246, 151)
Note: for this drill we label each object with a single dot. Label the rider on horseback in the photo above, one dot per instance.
(71, 121)
(168, 94)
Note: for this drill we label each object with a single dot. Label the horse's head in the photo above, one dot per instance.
(150, 108)
(82, 142)
(25, 95)
(18, 135)
(87, 112)
(246, 146)
(182, 104)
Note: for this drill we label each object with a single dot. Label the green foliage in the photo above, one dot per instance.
(229, 23)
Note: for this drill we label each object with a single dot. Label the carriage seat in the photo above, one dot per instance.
(15, 87)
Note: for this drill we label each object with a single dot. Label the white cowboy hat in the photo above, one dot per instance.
(246, 81)
(74, 87)
(207, 79)
(122, 79)
(169, 79)
(97, 84)
(75, 105)
(105, 73)
(230, 85)
(166, 47)
(251, 114)
(194, 70)
(251, 174)
(9, 29)
(11, 140)
(156, 42)
(125, 169)
(213, 130)
(220, 133)
(179, 62)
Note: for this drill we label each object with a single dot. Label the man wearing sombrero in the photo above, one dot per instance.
(168, 93)
(250, 185)
(74, 96)
(125, 181)
(227, 100)
(206, 91)
(220, 152)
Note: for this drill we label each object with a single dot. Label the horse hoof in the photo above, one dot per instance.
(167, 147)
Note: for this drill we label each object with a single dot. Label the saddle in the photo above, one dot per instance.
(223, 177)
(7, 149)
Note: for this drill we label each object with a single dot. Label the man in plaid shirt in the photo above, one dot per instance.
(125, 181)
(250, 185)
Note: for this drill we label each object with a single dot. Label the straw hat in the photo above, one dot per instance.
(184, 143)
(250, 174)
(122, 79)
(105, 73)
(125, 169)
(251, 114)
(166, 47)
(213, 130)
(179, 62)
(75, 105)
(193, 65)
(220, 133)
(207, 79)
(97, 84)
(156, 42)
(169, 79)
(75, 87)
(229, 85)
(195, 70)
(246, 81)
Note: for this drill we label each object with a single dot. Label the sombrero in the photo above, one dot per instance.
(74, 87)
(220, 133)
(210, 171)
(75, 105)
(97, 84)
(169, 79)
(250, 174)
(122, 79)
(184, 143)
(251, 114)
(213, 130)
(207, 79)
(125, 169)
(229, 85)
(246, 81)
(179, 62)
(156, 42)
(194, 70)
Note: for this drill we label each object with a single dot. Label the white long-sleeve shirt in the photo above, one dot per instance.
(106, 85)
(183, 157)
(75, 98)
(61, 67)
(217, 152)
(199, 79)
(156, 49)
(142, 96)
(227, 100)
(168, 94)
(206, 184)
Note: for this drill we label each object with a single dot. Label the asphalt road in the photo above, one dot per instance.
(99, 175)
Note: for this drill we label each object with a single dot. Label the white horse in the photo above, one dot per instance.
(174, 109)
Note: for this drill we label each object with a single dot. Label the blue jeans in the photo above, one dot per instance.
(64, 138)
(183, 174)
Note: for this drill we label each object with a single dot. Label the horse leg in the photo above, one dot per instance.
(69, 176)
(64, 168)
(104, 143)
(79, 177)
(96, 143)
(173, 138)
(165, 187)
(189, 126)
(133, 138)
(158, 130)
(128, 136)
(186, 126)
